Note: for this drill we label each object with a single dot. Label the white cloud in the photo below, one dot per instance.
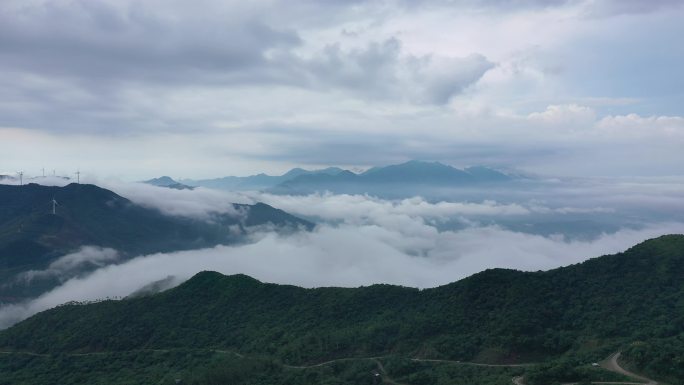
(572, 116)
(473, 82)
(70, 264)
(381, 70)
(639, 127)
(345, 255)
(362, 239)
(356, 209)
(197, 203)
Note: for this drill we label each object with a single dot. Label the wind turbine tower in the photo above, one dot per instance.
(78, 176)
(21, 177)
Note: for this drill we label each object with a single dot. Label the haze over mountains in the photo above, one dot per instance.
(381, 181)
(33, 239)
(259, 181)
(167, 181)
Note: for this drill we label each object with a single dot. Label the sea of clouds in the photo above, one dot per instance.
(362, 240)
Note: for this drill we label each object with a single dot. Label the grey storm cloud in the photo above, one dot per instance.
(608, 8)
(381, 69)
(369, 149)
(107, 41)
(87, 66)
(196, 86)
(593, 7)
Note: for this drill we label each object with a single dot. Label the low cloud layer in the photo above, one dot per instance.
(70, 264)
(361, 208)
(361, 240)
(418, 256)
(198, 203)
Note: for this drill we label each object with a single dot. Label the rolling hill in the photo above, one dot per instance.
(31, 236)
(631, 301)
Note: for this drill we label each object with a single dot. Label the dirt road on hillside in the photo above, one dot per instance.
(611, 363)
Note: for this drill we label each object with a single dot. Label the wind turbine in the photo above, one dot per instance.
(54, 206)
(21, 177)
(78, 176)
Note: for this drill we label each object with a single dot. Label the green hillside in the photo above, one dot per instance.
(632, 301)
(31, 236)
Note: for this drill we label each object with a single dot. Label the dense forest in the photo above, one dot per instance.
(31, 236)
(563, 319)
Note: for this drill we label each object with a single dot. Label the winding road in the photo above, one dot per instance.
(473, 363)
(332, 362)
(611, 363)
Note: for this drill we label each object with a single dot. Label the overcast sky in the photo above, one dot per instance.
(205, 88)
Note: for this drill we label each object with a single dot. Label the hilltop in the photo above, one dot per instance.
(497, 316)
(167, 181)
(31, 236)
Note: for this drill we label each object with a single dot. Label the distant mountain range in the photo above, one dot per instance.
(410, 174)
(257, 182)
(31, 236)
(629, 302)
(167, 181)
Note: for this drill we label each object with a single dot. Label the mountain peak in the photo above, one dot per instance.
(294, 172)
(167, 181)
(485, 173)
(212, 281)
(163, 181)
(416, 171)
(660, 245)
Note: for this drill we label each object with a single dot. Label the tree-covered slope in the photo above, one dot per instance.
(31, 236)
(497, 315)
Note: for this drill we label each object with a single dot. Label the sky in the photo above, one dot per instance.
(136, 89)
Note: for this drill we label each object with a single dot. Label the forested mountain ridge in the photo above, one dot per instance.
(498, 315)
(32, 236)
